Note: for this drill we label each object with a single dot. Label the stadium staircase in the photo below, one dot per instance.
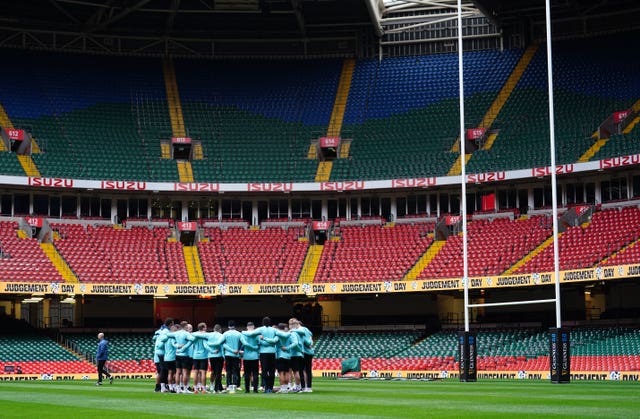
(508, 87)
(456, 169)
(312, 153)
(165, 151)
(173, 99)
(198, 152)
(185, 171)
(60, 264)
(323, 173)
(490, 140)
(192, 262)
(504, 94)
(311, 262)
(587, 245)
(627, 255)
(27, 163)
(29, 166)
(424, 260)
(535, 252)
(345, 147)
(5, 122)
(597, 145)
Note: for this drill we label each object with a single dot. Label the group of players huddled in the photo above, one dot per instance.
(182, 355)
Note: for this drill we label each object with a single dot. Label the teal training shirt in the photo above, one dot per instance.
(169, 349)
(199, 351)
(214, 344)
(295, 346)
(268, 341)
(232, 343)
(283, 342)
(183, 341)
(306, 339)
(251, 347)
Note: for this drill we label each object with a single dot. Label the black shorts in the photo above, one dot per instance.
(200, 364)
(282, 364)
(184, 362)
(158, 367)
(170, 365)
(296, 363)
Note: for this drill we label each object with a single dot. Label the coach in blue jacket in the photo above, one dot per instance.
(102, 354)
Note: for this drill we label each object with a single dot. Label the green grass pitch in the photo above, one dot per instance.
(331, 398)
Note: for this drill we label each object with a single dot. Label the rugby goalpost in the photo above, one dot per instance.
(558, 338)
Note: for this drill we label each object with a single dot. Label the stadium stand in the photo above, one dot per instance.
(402, 112)
(257, 129)
(93, 117)
(373, 252)
(584, 246)
(593, 349)
(234, 255)
(22, 259)
(586, 91)
(493, 247)
(136, 254)
(24, 349)
(363, 344)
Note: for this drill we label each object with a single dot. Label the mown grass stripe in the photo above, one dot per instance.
(331, 398)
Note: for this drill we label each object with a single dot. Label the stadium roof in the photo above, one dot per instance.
(210, 28)
(184, 27)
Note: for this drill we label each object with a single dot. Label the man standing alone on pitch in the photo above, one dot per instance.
(102, 354)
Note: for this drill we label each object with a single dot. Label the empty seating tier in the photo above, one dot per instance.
(373, 253)
(272, 255)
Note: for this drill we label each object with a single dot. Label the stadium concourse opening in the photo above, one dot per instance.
(312, 166)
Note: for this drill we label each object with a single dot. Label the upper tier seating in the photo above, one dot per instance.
(621, 145)
(609, 231)
(402, 113)
(23, 259)
(373, 253)
(493, 247)
(90, 115)
(103, 117)
(257, 129)
(587, 89)
(138, 254)
(272, 255)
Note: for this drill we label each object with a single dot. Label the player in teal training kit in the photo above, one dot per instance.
(268, 340)
(283, 357)
(251, 347)
(306, 338)
(297, 359)
(170, 358)
(232, 346)
(158, 355)
(200, 359)
(216, 357)
(183, 361)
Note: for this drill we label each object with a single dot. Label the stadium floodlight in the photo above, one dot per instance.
(32, 300)
(70, 299)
